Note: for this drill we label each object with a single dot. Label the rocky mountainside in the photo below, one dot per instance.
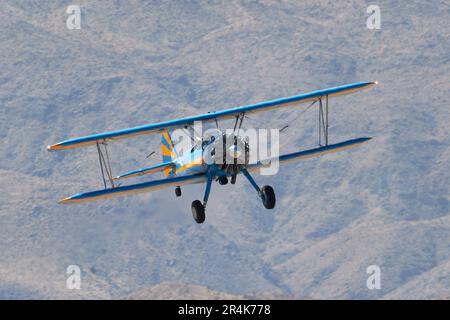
(385, 203)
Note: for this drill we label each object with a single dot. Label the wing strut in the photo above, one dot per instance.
(323, 121)
(105, 164)
(239, 119)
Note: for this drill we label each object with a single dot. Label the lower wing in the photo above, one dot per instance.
(296, 156)
(199, 178)
(134, 189)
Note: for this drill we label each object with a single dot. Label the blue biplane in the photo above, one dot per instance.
(192, 168)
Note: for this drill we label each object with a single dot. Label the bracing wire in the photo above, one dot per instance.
(298, 116)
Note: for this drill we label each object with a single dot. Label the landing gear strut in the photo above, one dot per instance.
(266, 193)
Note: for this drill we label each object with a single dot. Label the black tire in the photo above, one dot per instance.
(198, 211)
(223, 180)
(178, 191)
(268, 197)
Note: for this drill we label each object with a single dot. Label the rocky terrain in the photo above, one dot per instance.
(131, 63)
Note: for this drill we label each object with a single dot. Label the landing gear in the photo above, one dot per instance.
(198, 211)
(178, 191)
(268, 197)
(266, 193)
(223, 180)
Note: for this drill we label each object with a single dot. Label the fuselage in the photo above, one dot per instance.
(207, 157)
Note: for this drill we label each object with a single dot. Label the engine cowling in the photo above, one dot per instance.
(236, 153)
(229, 151)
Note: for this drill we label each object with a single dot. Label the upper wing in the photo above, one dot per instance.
(316, 152)
(134, 188)
(212, 116)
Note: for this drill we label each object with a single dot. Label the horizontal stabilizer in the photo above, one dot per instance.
(140, 172)
(134, 189)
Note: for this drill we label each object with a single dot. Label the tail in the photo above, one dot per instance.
(168, 152)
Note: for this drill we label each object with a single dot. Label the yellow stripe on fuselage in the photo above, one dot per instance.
(194, 163)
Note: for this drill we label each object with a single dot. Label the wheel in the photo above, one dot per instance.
(198, 211)
(268, 197)
(178, 191)
(223, 180)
